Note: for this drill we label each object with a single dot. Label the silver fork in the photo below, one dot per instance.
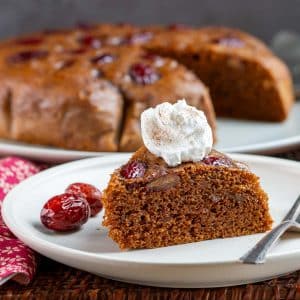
(257, 255)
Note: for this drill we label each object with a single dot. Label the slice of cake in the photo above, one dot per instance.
(178, 190)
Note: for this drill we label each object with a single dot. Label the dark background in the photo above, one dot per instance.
(263, 18)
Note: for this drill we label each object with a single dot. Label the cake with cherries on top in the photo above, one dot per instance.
(90, 100)
(246, 80)
(85, 88)
(176, 189)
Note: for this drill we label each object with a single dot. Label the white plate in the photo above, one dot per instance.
(259, 137)
(233, 136)
(44, 154)
(204, 264)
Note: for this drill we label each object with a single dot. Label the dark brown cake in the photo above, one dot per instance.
(61, 89)
(54, 106)
(144, 80)
(245, 78)
(85, 88)
(148, 204)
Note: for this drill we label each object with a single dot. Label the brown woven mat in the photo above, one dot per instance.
(56, 281)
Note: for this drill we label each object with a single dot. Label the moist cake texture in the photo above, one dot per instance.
(149, 204)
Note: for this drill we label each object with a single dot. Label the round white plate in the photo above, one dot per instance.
(44, 154)
(233, 136)
(259, 137)
(204, 264)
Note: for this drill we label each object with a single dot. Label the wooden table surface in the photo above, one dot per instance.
(56, 281)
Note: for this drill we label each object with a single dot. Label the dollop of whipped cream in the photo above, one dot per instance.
(177, 133)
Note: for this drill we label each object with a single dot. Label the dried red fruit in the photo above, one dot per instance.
(90, 41)
(29, 41)
(88, 192)
(24, 56)
(103, 59)
(65, 212)
(133, 169)
(217, 161)
(143, 74)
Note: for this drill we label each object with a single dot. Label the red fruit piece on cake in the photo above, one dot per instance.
(29, 41)
(143, 74)
(133, 169)
(90, 41)
(27, 55)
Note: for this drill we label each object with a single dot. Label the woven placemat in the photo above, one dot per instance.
(56, 281)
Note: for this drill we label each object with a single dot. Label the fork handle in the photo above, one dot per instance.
(257, 255)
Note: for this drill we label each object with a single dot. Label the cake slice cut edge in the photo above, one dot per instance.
(162, 206)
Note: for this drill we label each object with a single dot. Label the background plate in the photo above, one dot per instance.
(204, 264)
(259, 137)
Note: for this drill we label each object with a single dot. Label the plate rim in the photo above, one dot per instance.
(6, 144)
(267, 147)
(23, 235)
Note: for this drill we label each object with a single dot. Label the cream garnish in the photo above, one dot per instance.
(177, 133)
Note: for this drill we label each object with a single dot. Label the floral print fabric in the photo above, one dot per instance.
(17, 261)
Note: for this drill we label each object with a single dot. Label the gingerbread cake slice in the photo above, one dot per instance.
(155, 201)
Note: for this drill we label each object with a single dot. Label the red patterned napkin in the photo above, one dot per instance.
(17, 261)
